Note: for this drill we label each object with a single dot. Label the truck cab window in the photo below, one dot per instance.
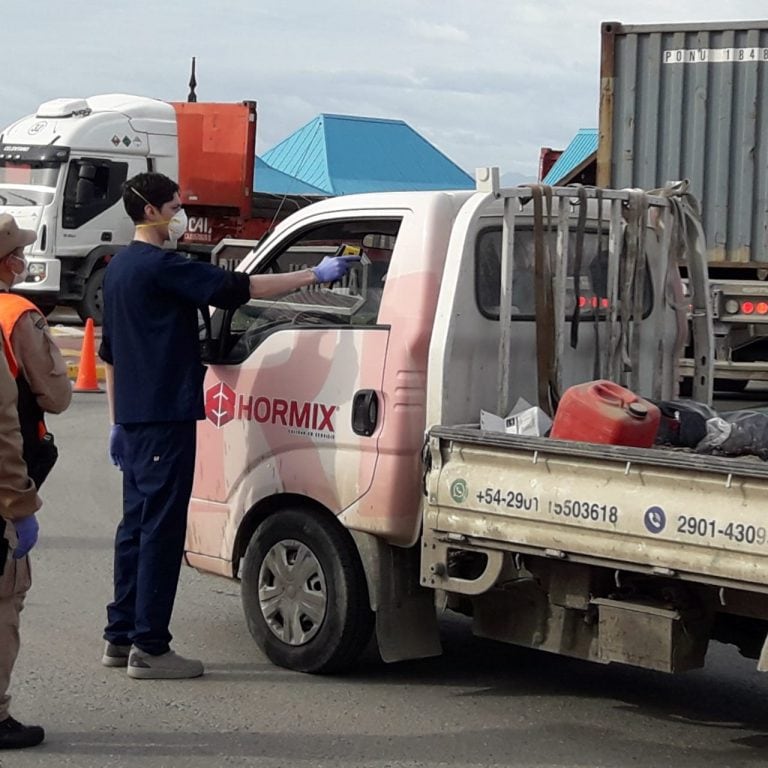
(353, 301)
(593, 277)
(28, 182)
(92, 186)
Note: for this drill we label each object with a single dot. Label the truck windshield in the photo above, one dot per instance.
(20, 182)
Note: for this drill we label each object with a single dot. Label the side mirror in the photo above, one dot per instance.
(87, 171)
(85, 191)
(213, 333)
(208, 346)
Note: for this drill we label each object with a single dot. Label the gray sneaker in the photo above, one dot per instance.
(166, 666)
(115, 655)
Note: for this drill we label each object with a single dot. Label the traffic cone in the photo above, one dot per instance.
(87, 381)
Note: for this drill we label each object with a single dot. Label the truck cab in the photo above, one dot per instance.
(61, 174)
(308, 394)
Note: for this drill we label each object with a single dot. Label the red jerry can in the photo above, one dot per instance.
(604, 412)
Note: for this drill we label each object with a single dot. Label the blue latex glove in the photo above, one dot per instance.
(26, 533)
(116, 445)
(333, 268)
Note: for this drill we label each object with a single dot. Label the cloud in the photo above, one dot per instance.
(441, 33)
(488, 81)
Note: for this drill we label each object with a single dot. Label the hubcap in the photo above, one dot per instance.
(292, 592)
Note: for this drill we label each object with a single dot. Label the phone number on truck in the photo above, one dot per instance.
(706, 528)
(567, 508)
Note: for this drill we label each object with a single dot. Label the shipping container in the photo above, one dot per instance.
(690, 101)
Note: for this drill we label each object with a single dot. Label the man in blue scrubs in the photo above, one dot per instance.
(154, 380)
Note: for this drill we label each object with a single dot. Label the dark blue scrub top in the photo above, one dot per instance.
(150, 330)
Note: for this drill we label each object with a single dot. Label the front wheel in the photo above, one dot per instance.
(92, 303)
(304, 593)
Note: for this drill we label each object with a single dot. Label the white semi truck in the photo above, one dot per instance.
(62, 170)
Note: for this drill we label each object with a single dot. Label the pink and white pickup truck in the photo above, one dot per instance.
(343, 477)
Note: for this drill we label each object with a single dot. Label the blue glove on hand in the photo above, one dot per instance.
(116, 445)
(26, 533)
(333, 268)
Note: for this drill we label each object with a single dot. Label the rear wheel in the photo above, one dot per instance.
(304, 593)
(92, 303)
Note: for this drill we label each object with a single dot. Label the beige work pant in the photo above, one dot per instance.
(14, 584)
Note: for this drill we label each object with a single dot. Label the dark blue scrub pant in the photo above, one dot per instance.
(158, 466)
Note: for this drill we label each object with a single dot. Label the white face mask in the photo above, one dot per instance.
(177, 226)
(20, 277)
(14, 262)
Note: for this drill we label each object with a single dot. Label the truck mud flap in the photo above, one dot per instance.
(406, 618)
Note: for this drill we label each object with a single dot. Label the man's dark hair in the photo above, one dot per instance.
(153, 188)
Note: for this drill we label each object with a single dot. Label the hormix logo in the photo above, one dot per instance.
(223, 404)
(220, 404)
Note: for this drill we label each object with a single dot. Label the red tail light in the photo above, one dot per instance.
(747, 307)
(594, 302)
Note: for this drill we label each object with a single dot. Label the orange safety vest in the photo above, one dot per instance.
(12, 308)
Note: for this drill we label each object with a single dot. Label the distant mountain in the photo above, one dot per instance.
(514, 179)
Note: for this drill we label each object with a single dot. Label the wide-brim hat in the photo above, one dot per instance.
(12, 236)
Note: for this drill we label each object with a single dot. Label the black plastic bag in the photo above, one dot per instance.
(683, 422)
(738, 433)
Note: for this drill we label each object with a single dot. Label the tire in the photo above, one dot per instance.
(92, 303)
(304, 593)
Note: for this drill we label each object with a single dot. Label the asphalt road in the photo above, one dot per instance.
(481, 704)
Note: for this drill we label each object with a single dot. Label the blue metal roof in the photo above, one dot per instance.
(344, 154)
(576, 154)
(269, 179)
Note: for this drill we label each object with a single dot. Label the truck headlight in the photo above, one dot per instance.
(36, 270)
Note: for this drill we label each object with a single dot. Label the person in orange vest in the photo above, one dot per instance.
(18, 532)
(33, 357)
(34, 381)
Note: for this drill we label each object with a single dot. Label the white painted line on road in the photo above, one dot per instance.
(63, 330)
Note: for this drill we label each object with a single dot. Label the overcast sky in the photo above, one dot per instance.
(488, 81)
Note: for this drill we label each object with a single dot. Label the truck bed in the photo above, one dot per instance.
(700, 518)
